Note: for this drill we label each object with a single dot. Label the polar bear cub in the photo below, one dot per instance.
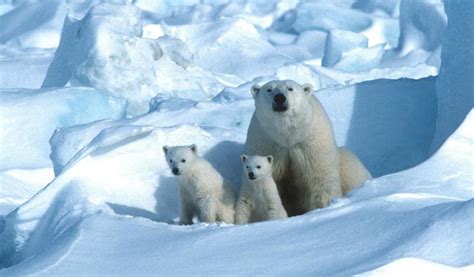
(259, 199)
(203, 192)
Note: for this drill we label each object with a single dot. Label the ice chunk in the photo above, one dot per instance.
(28, 119)
(33, 24)
(348, 51)
(17, 186)
(361, 59)
(105, 50)
(338, 42)
(322, 16)
(229, 46)
(23, 68)
(455, 84)
(300, 73)
(389, 7)
(314, 42)
(422, 24)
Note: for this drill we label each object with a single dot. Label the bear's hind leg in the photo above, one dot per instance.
(352, 170)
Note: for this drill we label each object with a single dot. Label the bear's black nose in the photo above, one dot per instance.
(175, 171)
(251, 175)
(279, 99)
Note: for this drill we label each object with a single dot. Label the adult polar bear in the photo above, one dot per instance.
(290, 124)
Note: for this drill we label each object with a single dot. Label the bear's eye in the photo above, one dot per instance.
(269, 90)
(290, 88)
(183, 160)
(247, 167)
(171, 161)
(259, 167)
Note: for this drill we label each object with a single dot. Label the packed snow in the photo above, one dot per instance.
(90, 92)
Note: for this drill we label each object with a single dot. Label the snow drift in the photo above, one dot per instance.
(186, 68)
(25, 144)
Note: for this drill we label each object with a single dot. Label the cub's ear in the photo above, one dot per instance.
(255, 89)
(193, 148)
(165, 149)
(307, 88)
(270, 159)
(243, 158)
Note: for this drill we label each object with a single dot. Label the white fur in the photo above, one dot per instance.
(307, 162)
(259, 199)
(203, 191)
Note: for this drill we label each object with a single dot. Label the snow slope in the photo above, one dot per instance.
(85, 189)
(390, 218)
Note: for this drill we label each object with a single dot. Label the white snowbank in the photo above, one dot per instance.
(349, 51)
(411, 214)
(105, 50)
(191, 66)
(23, 68)
(229, 46)
(33, 24)
(28, 119)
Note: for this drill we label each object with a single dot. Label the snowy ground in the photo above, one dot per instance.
(89, 94)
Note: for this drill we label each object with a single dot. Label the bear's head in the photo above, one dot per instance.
(180, 157)
(284, 110)
(257, 167)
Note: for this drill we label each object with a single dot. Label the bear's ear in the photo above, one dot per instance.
(270, 159)
(193, 148)
(165, 149)
(243, 158)
(255, 89)
(308, 89)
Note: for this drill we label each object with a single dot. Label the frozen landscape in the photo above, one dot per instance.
(90, 92)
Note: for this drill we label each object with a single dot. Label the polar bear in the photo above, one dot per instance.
(259, 199)
(290, 124)
(203, 192)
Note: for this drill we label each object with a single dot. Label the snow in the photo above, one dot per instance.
(399, 214)
(85, 188)
(229, 46)
(455, 84)
(105, 50)
(25, 144)
(349, 51)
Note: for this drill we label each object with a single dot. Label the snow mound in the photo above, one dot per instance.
(24, 143)
(33, 24)
(348, 51)
(105, 50)
(23, 68)
(435, 214)
(67, 142)
(122, 169)
(322, 16)
(229, 46)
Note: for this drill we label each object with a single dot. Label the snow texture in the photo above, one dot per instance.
(30, 117)
(91, 90)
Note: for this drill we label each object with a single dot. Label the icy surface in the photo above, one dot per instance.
(105, 50)
(85, 189)
(28, 118)
(455, 85)
(414, 213)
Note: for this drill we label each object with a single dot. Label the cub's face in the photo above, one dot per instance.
(282, 96)
(256, 167)
(180, 157)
